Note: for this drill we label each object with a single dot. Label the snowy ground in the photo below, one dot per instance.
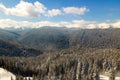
(28, 78)
(103, 77)
(6, 75)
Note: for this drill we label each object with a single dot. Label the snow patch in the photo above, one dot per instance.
(6, 75)
(103, 77)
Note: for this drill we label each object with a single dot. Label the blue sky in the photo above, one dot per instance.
(70, 11)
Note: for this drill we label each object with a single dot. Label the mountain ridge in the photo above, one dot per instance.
(50, 38)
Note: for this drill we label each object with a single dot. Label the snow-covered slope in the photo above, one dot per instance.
(6, 75)
(103, 77)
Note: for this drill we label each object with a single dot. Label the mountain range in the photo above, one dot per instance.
(53, 38)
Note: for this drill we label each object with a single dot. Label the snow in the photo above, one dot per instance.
(103, 77)
(28, 78)
(6, 75)
(117, 78)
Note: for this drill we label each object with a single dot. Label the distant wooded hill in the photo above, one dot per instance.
(10, 49)
(52, 38)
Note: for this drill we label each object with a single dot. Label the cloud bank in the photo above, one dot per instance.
(8, 23)
(36, 9)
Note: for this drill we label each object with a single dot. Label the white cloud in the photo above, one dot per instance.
(91, 26)
(53, 12)
(75, 10)
(116, 24)
(80, 24)
(27, 9)
(2, 7)
(24, 9)
(104, 25)
(5, 23)
(8, 23)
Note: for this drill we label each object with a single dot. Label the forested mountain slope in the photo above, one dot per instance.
(96, 38)
(46, 38)
(7, 35)
(52, 38)
(66, 64)
(10, 49)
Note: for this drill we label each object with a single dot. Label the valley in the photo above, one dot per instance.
(63, 53)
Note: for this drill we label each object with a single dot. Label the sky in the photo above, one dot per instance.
(60, 13)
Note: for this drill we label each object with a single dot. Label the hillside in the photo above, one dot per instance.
(10, 49)
(66, 64)
(96, 38)
(7, 35)
(52, 38)
(46, 38)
